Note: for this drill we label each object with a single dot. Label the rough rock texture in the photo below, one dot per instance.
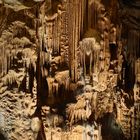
(69, 69)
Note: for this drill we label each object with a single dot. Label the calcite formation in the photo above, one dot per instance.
(69, 70)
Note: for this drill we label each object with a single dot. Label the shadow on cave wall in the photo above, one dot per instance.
(111, 130)
(2, 136)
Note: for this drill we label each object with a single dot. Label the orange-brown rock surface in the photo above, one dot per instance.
(69, 70)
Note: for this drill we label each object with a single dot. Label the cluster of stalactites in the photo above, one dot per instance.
(90, 48)
(7, 57)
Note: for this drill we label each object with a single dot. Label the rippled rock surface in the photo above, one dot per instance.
(69, 69)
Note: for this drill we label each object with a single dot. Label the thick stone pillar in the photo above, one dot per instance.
(74, 28)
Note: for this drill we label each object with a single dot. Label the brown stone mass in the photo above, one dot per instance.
(69, 70)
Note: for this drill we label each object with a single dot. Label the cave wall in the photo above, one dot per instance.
(69, 69)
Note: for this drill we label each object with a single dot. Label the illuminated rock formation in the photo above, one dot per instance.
(69, 69)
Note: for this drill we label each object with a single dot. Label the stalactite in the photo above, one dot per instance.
(54, 36)
(137, 70)
(55, 88)
(91, 59)
(76, 38)
(96, 61)
(73, 41)
(138, 44)
(79, 21)
(5, 63)
(67, 84)
(59, 25)
(95, 15)
(2, 57)
(8, 60)
(82, 10)
(50, 85)
(27, 81)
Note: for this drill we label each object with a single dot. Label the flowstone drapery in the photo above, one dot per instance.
(69, 69)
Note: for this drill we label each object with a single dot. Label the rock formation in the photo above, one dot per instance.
(69, 69)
